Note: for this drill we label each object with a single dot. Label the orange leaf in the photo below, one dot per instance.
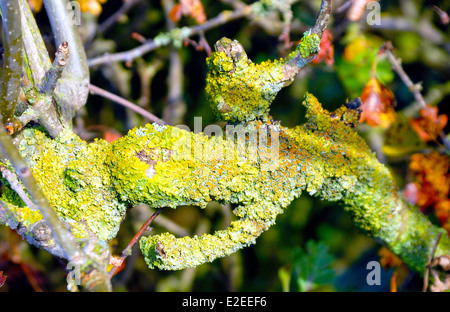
(431, 185)
(430, 124)
(378, 103)
(111, 135)
(193, 8)
(443, 213)
(175, 13)
(35, 5)
(388, 259)
(326, 51)
(2, 278)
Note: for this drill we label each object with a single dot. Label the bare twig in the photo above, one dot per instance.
(430, 259)
(72, 89)
(151, 45)
(119, 100)
(110, 21)
(175, 107)
(127, 251)
(413, 88)
(57, 68)
(445, 19)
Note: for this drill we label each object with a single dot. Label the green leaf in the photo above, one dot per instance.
(284, 274)
(312, 267)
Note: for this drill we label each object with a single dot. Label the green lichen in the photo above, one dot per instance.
(238, 89)
(75, 180)
(310, 44)
(91, 185)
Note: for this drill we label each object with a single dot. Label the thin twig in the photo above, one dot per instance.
(445, 19)
(127, 251)
(119, 100)
(430, 259)
(151, 45)
(175, 107)
(295, 62)
(57, 68)
(413, 88)
(110, 21)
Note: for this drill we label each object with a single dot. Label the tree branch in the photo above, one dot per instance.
(151, 45)
(12, 64)
(119, 100)
(72, 89)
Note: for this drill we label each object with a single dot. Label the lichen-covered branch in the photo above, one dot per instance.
(240, 90)
(256, 164)
(30, 222)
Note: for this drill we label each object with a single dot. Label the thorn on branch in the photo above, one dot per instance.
(117, 262)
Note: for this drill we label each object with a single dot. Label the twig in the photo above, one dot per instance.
(150, 44)
(430, 259)
(110, 21)
(127, 251)
(445, 19)
(175, 107)
(413, 88)
(57, 68)
(119, 100)
(72, 90)
(295, 62)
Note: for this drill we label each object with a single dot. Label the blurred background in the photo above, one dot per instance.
(314, 245)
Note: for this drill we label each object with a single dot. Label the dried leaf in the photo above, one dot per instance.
(388, 259)
(432, 185)
(193, 8)
(35, 5)
(2, 278)
(438, 285)
(442, 210)
(326, 52)
(432, 175)
(175, 13)
(430, 124)
(92, 6)
(378, 104)
(111, 135)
